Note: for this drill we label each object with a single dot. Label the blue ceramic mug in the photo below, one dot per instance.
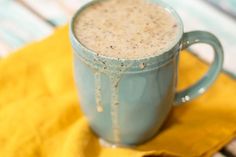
(127, 101)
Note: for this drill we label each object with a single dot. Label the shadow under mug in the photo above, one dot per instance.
(127, 101)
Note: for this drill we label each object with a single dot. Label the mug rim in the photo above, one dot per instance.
(153, 60)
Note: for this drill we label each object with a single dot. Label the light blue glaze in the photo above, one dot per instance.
(127, 101)
(202, 85)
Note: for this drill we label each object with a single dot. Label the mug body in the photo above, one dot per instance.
(126, 101)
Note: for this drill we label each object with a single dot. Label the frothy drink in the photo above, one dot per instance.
(128, 29)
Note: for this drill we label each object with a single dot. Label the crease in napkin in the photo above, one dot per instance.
(40, 114)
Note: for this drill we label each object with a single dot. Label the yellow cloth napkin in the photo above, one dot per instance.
(40, 115)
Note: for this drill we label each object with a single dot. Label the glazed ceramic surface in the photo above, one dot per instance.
(127, 101)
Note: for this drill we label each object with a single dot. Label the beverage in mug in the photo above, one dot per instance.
(126, 56)
(131, 29)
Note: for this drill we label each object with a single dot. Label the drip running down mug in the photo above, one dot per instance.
(127, 101)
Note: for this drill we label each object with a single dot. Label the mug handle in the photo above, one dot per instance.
(202, 85)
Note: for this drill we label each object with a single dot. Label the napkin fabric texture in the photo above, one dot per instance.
(40, 114)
